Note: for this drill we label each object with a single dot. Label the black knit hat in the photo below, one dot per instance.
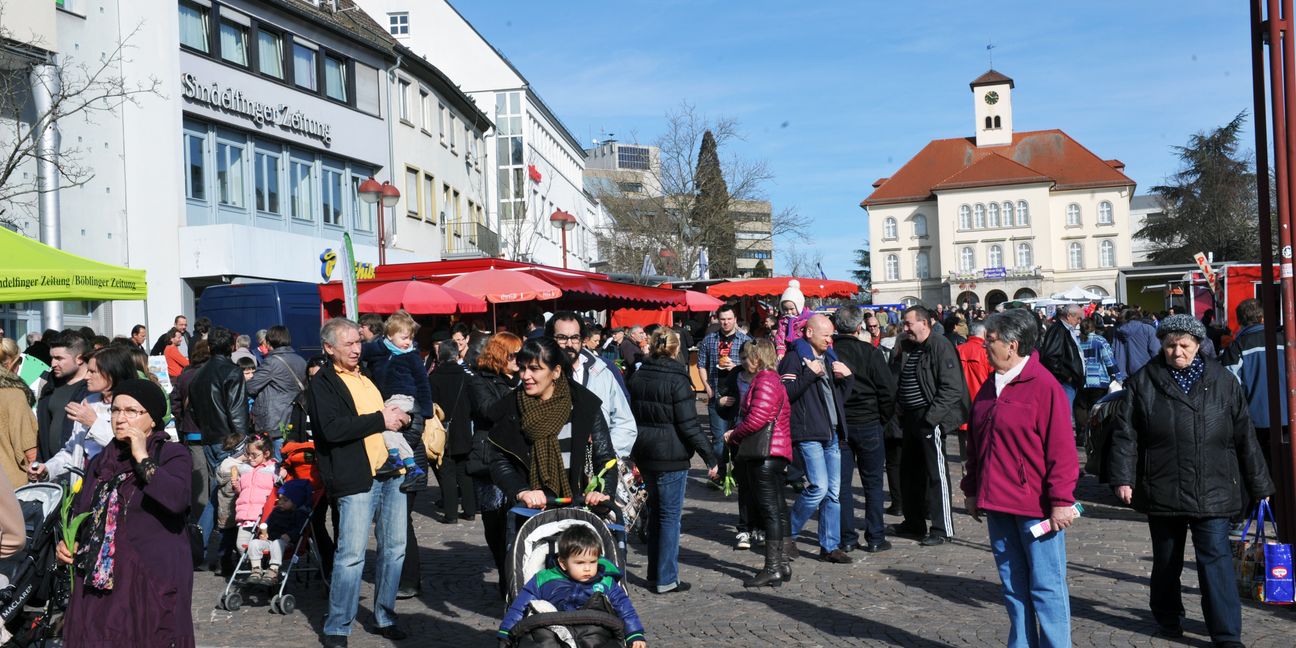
(149, 395)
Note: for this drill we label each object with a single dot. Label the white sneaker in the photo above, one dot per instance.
(758, 538)
(744, 541)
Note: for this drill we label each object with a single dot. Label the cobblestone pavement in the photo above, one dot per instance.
(911, 596)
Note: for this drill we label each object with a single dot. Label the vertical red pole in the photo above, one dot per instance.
(1282, 88)
(564, 235)
(382, 232)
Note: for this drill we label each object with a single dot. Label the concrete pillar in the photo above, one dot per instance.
(45, 84)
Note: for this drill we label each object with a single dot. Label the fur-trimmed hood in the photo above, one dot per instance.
(10, 380)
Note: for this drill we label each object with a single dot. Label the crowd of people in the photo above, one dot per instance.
(796, 401)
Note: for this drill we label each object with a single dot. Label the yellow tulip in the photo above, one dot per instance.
(76, 487)
(609, 464)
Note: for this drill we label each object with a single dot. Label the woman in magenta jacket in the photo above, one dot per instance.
(1021, 469)
(766, 402)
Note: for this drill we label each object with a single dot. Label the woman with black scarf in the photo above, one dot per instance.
(133, 574)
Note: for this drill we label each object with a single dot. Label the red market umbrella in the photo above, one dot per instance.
(696, 302)
(774, 287)
(419, 298)
(504, 286)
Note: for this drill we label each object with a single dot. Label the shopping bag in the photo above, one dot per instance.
(1262, 564)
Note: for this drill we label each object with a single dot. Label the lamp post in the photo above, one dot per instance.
(565, 222)
(371, 192)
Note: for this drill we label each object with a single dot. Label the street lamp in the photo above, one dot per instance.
(371, 192)
(565, 222)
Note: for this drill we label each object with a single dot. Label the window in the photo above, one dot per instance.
(1073, 215)
(920, 226)
(429, 197)
(1105, 213)
(411, 193)
(442, 123)
(1107, 254)
(755, 254)
(304, 67)
(1025, 258)
(364, 212)
(994, 257)
(892, 267)
(511, 178)
(229, 173)
(994, 214)
(889, 228)
(402, 99)
(301, 187)
(233, 42)
(331, 196)
(267, 181)
(195, 165)
(425, 110)
(398, 23)
(630, 187)
(1075, 256)
(270, 54)
(978, 216)
(634, 157)
(454, 133)
(335, 78)
(1023, 213)
(967, 260)
(366, 88)
(922, 265)
(965, 217)
(1009, 214)
(194, 26)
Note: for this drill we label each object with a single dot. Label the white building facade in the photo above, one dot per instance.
(999, 216)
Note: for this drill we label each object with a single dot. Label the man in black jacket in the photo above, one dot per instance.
(1060, 350)
(869, 405)
(931, 399)
(64, 383)
(219, 404)
(349, 418)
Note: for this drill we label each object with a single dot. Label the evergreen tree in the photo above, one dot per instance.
(711, 211)
(863, 274)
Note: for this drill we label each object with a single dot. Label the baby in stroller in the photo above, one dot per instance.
(279, 533)
(583, 580)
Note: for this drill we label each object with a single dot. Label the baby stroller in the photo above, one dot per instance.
(33, 585)
(535, 548)
(300, 559)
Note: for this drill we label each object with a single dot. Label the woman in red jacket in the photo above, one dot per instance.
(766, 403)
(1021, 470)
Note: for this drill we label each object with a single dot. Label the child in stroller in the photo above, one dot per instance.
(279, 533)
(583, 580)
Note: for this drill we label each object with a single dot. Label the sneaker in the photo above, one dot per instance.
(836, 556)
(270, 578)
(391, 468)
(874, 547)
(411, 483)
(680, 586)
(743, 541)
(933, 540)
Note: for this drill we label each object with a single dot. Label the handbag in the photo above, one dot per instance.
(757, 444)
(1263, 566)
(436, 430)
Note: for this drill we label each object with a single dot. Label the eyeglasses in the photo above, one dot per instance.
(130, 413)
(567, 338)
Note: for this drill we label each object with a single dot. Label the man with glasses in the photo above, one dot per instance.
(593, 373)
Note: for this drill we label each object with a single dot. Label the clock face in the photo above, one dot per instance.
(992, 97)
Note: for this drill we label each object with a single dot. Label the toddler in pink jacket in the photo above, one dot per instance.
(254, 488)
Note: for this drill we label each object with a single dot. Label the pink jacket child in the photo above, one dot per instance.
(791, 329)
(255, 487)
(766, 399)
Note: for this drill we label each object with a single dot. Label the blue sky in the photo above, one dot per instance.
(833, 95)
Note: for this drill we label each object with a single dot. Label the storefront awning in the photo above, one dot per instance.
(583, 291)
(774, 287)
(31, 271)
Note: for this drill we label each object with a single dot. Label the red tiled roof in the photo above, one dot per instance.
(1035, 156)
(991, 77)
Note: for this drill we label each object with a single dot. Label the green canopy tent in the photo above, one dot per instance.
(31, 271)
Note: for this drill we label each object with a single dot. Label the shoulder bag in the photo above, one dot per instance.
(757, 445)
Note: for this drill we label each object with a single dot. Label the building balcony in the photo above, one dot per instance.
(996, 274)
(467, 239)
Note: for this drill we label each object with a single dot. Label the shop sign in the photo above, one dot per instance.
(995, 273)
(232, 100)
(328, 261)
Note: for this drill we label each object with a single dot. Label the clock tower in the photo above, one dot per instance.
(992, 104)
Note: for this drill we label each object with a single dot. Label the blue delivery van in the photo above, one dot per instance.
(249, 307)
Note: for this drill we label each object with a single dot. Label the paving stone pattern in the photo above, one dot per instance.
(911, 596)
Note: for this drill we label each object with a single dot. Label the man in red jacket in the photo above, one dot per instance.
(976, 367)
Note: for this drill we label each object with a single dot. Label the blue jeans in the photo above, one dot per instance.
(863, 450)
(666, 505)
(719, 425)
(385, 505)
(1220, 602)
(1033, 573)
(823, 471)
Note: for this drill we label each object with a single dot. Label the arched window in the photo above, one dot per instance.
(1073, 215)
(997, 123)
(1025, 259)
(1010, 214)
(1107, 254)
(1075, 256)
(922, 265)
(889, 228)
(965, 217)
(994, 214)
(1105, 213)
(994, 258)
(1023, 213)
(892, 267)
(967, 260)
(920, 226)
(978, 216)
(989, 123)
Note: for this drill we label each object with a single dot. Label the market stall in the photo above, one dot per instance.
(31, 271)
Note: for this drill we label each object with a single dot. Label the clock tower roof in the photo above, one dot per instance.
(991, 77)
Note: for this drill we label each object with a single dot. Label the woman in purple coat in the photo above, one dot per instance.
(133, 572)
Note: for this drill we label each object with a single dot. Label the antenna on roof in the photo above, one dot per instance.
(990, 52)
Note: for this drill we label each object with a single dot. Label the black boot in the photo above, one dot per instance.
(784, 566)
(769, 575)
(790, 551)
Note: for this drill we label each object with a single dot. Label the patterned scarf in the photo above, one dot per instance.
(1188, 376)
(97, 555)
(542, 420)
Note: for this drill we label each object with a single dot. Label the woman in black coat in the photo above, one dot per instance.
(1183, 443)
(665, 410)
(549, 438)
(495, 379)
(450, 383)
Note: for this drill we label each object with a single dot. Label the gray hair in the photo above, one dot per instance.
(1072, 309)
(261, 335)
(329, 332)
(977, 328)
(242, 342)
(848, 319)
(1014, 325)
